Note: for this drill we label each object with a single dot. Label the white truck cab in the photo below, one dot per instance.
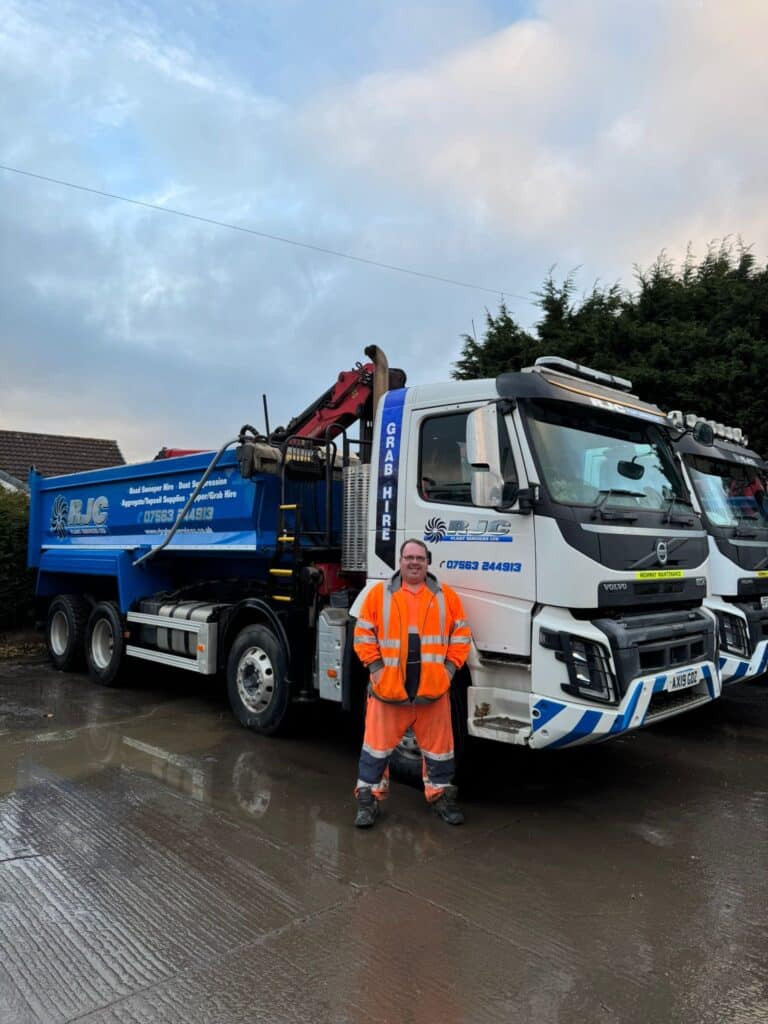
(728, 484)
(551, 501)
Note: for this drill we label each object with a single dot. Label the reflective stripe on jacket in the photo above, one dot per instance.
(381, 638)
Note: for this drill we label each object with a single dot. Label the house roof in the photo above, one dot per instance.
(53, 454)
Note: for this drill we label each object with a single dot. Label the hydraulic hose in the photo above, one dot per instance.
(235, 440)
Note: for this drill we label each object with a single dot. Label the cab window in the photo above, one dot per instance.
(444, 474)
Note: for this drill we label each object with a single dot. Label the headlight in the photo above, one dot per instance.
(733, 633)
(588, 664)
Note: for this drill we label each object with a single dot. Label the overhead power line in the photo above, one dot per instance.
(503, 293)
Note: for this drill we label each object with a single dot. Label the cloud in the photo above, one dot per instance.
(454, 138)
(570, 125)
(464, 131)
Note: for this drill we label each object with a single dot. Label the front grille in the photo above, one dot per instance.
(656, 657)
(657, 642)
(663, 704)
(643, 589)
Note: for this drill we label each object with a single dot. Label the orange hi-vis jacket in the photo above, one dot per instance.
(381, 638)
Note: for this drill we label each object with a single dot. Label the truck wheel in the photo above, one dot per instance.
(65, 632)
(405, 761)
(104, 644)
(257, 680)
(459, 711)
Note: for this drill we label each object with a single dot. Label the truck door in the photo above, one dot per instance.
(486, 555)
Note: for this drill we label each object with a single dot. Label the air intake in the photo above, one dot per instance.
(354, 546)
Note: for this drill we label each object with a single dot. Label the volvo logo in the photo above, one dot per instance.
(661, 552)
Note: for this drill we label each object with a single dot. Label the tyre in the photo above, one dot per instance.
(257, 681)
(105, 644)
(459, 711)
(405, 760)
(65, 632)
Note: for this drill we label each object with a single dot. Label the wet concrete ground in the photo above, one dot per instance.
(160, 864)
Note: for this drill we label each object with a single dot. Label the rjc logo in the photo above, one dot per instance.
(66, 515)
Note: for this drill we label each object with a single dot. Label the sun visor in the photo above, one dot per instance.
(540, 383)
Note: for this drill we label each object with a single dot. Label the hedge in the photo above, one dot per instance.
(16, 581)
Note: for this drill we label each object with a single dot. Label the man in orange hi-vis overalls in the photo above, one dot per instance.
(412, 635)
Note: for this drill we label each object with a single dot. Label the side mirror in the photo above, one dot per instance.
(703, 433)
(484, 458)
(631, 470)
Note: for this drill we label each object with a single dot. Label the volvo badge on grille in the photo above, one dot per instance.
(661, 552)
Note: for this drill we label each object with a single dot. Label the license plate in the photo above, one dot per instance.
(764, 601)
(682, 680)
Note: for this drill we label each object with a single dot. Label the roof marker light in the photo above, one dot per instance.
(577, 370)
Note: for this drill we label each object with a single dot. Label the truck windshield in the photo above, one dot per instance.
(731, 493)
(593, 457)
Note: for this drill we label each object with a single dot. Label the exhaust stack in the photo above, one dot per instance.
(380, 374)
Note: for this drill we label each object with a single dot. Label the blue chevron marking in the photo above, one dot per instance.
(622, 722)
(585, 725)
(547, 710)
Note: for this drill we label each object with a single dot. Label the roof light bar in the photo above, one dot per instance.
(689, 420)
(584, 372)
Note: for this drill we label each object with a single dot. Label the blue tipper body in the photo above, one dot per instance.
(100, 522)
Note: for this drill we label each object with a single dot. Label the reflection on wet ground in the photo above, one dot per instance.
(160, 864)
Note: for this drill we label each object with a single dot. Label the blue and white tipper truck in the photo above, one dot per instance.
(549, 498)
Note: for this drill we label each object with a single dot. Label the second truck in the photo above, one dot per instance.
(728, 481)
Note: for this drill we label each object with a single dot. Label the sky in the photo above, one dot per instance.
(483, 141)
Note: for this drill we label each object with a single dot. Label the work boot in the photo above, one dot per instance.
(445, 807)
(367, 808)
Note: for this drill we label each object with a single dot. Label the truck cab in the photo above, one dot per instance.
(551, 501)
(728, 481)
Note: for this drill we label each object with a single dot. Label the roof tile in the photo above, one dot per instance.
(53, 454)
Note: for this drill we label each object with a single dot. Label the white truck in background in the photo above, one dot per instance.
(728, 483)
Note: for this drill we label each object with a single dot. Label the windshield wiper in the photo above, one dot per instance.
(746, 525)
(739, 531)
(619, 494)
(683, 520)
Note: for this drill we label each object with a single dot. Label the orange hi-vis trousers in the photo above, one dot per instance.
(385, 726)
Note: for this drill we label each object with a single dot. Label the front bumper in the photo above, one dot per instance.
(590, 680)
(552, 722)
(734, 667)
(649, 699)
(751, 659)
